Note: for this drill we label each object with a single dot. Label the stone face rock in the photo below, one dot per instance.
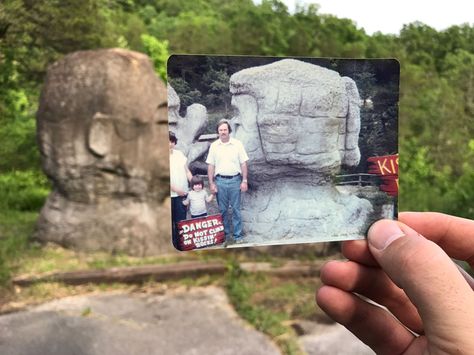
(102, 132)
(299, 124)
(187, 128)
(307, 117)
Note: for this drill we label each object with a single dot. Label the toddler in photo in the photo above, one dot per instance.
(197, 198)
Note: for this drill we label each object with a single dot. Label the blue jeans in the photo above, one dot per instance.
(228, 194)
(178, 213)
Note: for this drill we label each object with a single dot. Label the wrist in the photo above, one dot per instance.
(244, 180)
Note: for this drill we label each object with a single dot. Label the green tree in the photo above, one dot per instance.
(340, 38)
(158, 52)
(459, 71)
(380, 45)
(421, 43)
(39, 32)
(218, 94)
(187, 95)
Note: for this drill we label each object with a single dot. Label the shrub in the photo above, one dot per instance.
(18, 149)
(23, 190)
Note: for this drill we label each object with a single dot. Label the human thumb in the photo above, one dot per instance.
(427, 275)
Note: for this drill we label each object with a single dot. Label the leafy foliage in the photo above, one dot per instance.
(18, 149)
(23, 190)
(441, 189)
(158, 52)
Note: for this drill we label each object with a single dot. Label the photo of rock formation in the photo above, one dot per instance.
(304, 127)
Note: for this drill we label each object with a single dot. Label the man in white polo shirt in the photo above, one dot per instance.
(227, 172)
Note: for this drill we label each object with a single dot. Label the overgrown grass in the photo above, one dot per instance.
(22, 193)
(34, 260)
(242, 289)
(15, 230)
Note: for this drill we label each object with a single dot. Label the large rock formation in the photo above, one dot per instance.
(188, 128)
(299, 123)
(102, 131)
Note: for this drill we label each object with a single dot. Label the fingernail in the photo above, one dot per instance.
(381, 235)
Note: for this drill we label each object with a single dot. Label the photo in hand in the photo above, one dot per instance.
(273, 150)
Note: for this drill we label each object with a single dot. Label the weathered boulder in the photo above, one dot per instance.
(102, 132)
(187, 128)
(299, 124)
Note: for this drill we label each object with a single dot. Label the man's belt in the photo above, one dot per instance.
(227, 176)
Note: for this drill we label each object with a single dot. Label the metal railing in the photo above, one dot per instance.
(361, 179)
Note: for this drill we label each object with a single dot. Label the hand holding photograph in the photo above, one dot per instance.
(280, 150)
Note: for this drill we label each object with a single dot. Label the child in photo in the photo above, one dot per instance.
(197, 198)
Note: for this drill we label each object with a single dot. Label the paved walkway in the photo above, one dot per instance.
(184, 321)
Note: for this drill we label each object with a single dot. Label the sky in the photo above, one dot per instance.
(389, 16)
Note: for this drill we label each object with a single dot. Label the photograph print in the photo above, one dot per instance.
(273, 150)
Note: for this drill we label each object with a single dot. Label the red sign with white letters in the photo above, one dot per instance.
(201, 232)
(387, 168)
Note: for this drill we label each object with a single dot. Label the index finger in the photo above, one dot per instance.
(455, 235)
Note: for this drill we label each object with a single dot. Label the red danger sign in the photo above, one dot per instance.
(201, 232)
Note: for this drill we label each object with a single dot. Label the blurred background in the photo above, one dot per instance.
(436, 108)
